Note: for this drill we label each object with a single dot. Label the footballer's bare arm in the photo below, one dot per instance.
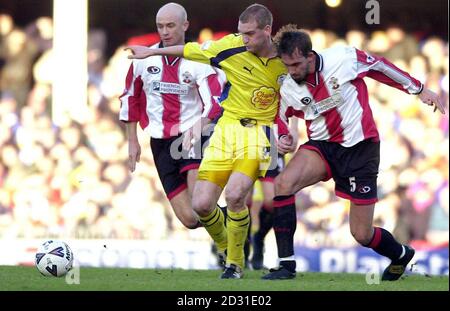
(134, 148)
(141, 52)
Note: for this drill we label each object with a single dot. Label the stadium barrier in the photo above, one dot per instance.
(197, 255)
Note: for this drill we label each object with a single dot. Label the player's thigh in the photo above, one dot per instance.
(306, 168)
(356, 172)
(192, 176)
(217, 163)
(168, 168)
(181, 205)
(216, 167)
(205, 197)
(238, 187)
(268, 187)
(252, 160)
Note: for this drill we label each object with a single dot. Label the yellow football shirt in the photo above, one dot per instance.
(254, 82)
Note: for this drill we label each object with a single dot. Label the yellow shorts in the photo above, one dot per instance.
(235, 148)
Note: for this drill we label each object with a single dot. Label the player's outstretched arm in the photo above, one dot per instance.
(141, 52)
(432, 99)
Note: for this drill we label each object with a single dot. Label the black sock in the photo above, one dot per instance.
(265, 223)
(284, 225)
(385, 244)
(289, 265)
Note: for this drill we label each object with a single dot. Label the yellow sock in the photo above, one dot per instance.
(214, 224)
(237, 228)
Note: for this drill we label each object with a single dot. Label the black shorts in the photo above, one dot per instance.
(354, 169)
(172, 168)
(271, 174)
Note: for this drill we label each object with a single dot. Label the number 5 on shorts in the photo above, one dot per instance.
(352, 183)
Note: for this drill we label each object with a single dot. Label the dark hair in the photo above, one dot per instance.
(289, 38)
(259, 13)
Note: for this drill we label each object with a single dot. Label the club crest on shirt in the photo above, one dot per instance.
(334, 83)
(264, 97)
(187, 77)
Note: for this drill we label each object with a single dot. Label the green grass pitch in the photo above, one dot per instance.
(105, 279)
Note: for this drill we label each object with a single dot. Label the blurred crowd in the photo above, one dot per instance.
(72, 180)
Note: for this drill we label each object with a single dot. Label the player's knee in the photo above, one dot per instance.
(234, 197)
(362, 235)
(191, 223)
(201, 206)
(187, 217)
(283, 186)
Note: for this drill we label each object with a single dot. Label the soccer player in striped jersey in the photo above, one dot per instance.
(240, 147)
(171, 98)
(327, 90)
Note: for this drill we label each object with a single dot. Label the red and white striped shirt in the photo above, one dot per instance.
(334, 100)
(168, 95)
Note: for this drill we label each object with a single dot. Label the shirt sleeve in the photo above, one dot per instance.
(384, 71)
(210, 89)
(282, 117)
(211, 52)
(130, 100)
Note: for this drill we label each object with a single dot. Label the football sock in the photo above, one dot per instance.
(214, 224)
(237, 231)
(265, 223)
(284, 225)
(289, 263)
(385, 244)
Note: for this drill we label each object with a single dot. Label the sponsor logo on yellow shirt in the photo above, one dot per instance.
(264, 97)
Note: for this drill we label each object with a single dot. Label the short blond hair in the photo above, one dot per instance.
(259, 13)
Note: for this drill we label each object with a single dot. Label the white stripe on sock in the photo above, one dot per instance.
(403, 252)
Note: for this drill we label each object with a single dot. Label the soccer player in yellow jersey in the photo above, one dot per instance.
(240, 149)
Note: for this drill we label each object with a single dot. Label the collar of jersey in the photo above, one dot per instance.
(166, 58)
(265, 63)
